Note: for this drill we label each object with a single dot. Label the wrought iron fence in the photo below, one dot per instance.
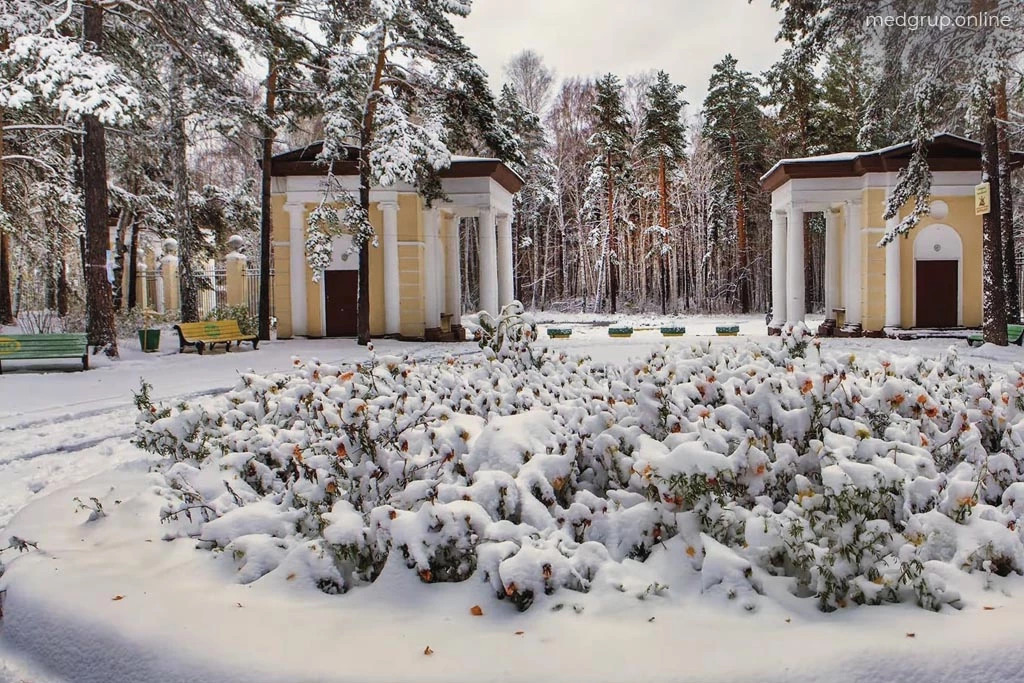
(251, 284)
(211, 290)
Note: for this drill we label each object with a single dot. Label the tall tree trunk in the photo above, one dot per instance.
(741, 226)
(99, 303)
(266, 217)
(187, 284)
(612, 280)
(365, 140)
(663, 220)
(62, 284)
(120, 249)
(6, 309)
(992, 245)
(1005, 200)
(133, 267)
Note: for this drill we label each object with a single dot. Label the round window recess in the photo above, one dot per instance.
(938, 209)
(937, 247)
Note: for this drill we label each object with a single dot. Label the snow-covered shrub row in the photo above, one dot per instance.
(866, 481)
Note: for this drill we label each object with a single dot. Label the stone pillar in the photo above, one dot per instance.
(431, 248)
(506, 277)
(234, 268)
(141, 290)
(892, 277)
(831, 263)
(779, 273)
(169, 270)
(392, 280)
(795, 266)
(853, 266)
(160, 303)
(297, 267)
(453, 281)
(488, 257)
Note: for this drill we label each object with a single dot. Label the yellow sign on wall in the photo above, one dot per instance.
(982, 199)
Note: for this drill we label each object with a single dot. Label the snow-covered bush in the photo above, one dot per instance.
(862, 480)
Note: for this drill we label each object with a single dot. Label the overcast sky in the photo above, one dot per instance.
(591, 37)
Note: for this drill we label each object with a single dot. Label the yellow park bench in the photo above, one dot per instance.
(209, 333)
(43, 346)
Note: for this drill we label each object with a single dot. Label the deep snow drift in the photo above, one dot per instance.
(705, 513)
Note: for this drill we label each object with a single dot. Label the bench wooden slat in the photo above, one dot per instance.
(212, 332)
(44, 346)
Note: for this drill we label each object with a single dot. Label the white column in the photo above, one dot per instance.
(392, 282)
(853, 266)
(488, 258)
(831, 262)
(506, 281)
(795, 266)
(892, 277)
(443, 223)
(297, 266)
(431, 302)
(778, 269)
(453, 281)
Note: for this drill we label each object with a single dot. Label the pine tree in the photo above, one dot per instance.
(663, 138)
(736, 124)
(844, 86)
(608, 143)
(402, 83)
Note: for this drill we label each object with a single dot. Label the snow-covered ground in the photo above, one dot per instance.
(130, 607)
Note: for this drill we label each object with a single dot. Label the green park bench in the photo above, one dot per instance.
(44, 346)
(1014, 334)
(673, 331)
(559, 332)
(620, 332)
(209, 333)
(727, 330)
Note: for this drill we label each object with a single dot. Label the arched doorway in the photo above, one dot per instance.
(938, 277)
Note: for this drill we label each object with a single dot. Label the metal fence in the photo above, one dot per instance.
(251, 285)
(212, 290)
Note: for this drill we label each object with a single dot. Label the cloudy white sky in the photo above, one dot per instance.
(590, 37)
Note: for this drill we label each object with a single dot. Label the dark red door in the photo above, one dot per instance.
(340, 289)
(937, 292)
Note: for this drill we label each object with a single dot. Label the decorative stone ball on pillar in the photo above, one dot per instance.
(169, 270)
(235, 272)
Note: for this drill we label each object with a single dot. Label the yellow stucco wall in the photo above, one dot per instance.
(968, 226)
(282, 268)
(873, 259)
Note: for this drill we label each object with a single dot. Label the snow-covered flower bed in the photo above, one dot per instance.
(863, 480)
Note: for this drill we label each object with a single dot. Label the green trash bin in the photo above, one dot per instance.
(149, 340)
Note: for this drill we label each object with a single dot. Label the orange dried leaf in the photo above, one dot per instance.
(476, 611)
(290, 577)
(117, 597)
(519, 633)
(426, 576)
(988, 608)
(911, 635)
(427, 650)
(691, 551)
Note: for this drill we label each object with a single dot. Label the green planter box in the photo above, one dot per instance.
(673, 331)
(149, 340)
(559, 332)
(727, 330)
(620, 331)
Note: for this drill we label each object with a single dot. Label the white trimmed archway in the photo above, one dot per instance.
(940, 242)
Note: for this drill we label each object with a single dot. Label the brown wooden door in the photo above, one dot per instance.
(340, 293)
(937, 292)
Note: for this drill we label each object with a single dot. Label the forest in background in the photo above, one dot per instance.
(635, 199)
